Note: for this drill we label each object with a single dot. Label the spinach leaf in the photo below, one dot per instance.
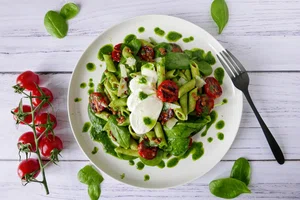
(55, 24)
(105, 50)
(177, 61)
(94, 191)
(135, 45)
(219, 13)
(88, 175)
(178, 145)
(241, 170)
(155, 161)
(69, 10)
(209, 58)
(204, 68)
(121, 133)
(198, 54)
(228, 188)
(97, 122)
(128, 39)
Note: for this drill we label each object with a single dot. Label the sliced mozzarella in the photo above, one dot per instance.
(123, 71)
(182, 81)
(144, 117)
(135, 98)
(122, 87)
(171, 123)
(140, 83)
(168, 105)
(149, 71)
(130, 61)
(199, 82)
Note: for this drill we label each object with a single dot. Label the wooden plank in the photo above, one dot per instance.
(275, 95)
(268, 181)
(250, 32)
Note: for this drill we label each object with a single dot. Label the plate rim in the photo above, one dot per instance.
(69, 101)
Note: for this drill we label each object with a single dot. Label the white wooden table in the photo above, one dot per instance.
(263, 34)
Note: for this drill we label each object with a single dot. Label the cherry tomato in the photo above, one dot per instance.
(167, 91)
(27, 118)
(165, 115)
(118, 47)
(27, 167)
(176, 48)
(41, 121)
(212, 87)
(116, 54)
(27, 138)
(37, 101)
(28, 80)
(98, 101)
(204, 105)
(147, 53)
(147, 152)
(49, 143)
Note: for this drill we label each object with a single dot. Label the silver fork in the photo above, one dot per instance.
(240, 79)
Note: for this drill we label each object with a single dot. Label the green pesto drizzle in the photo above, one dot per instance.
(146, 177)
(91, 67)
(210, 139)
(141, 29)
(86, 127)
(95, 150)
(173, 36)
(220, 124)
(213, 116)
(131, 162)
(77, 99)
(140, 165)
(161, 164)
(122, 176)
(220, 136)
(83, 85)
(159, 31)
(219, 74)
(188, 39)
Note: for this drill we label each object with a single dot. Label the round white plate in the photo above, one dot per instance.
(187, 169)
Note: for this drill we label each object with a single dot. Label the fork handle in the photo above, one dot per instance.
(271, 140)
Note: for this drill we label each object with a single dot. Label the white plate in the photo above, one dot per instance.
(187, 169)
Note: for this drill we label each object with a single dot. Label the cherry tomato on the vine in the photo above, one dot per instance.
(28, 80)
(28, 167)
(37, 101)
(212, 87)
(147, 152)
(26, 118)
(41, 122)
(167, 91)
(27, 138)
(50, 144)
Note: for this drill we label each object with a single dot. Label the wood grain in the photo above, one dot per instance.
(278, 105)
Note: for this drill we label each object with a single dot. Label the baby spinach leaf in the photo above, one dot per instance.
(89, 176)
(209, 58)
(241, 170)
(204, 68)
(94, 191)
(198, 54)
(121, 133)
(69, 10)
(178, 145)
(55, 24)
(135, 45)
(177, 61)
(162, 48)
(228, 188)
(219, 13)
(97, 122)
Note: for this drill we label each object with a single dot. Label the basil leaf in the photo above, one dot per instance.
(135, 45)
(69, 10)
(204, 68)
(94, 191)
(88, 175)
(178, 145)
(219, 13)
(55, 24)
(97, 122)
(241, 170)
(121, 133)
(177, 61)
(228, 188)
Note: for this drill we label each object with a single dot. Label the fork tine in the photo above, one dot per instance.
(229, 72)
(236, 61)
(234, 66)
(229, 64)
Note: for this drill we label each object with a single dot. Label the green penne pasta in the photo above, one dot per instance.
(186, 87)
(184, 103)
(133, 144)
(192, 100)
(103, 115)
(161, 73)
(132, 133)
(172, 74)
(187, 74)
(128, 152)
(180, 114)
(160, 135)
(194, 69)
(110, 91)
(118, 103)
(112, 79)
(126, 52)
(110, 66)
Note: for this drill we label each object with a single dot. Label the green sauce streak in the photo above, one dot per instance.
(173, 162)
(188, 39)
(220, 136)
(122, 176)
(91, 84)
(173, 36)
(128, 38)
(161, 164)
(159, 31)
(131, 162)
(213, 116)
(146, 177)
(219, 74)
(77, 99)
(210, 139)
(197, 151)
(95, 150)
(91, 67)
(141, 29)
(140, 165)
(143, 95)
(86, 127)
(106, 49)
(83, 85)
(220, 124)
(224, 101)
